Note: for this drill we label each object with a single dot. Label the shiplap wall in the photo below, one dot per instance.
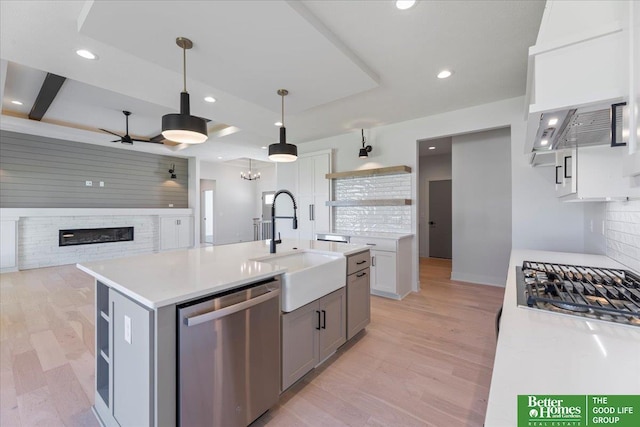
(39, 172)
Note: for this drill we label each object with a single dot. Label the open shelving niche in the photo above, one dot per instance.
(363, 173)
(103, 320)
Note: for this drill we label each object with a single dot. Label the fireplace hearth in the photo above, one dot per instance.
(90, 236)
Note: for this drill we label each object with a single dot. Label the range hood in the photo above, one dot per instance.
(579, 127)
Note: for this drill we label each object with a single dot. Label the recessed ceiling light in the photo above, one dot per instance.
(86, 54)
(405, 4)
(219, 157)
(553, 121)
(278, 123)
(209, 99)
(263, 147)
(444, 74)
(432, 148)
(16, 102)
(544, 142)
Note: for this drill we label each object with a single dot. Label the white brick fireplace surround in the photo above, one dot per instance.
(30, 236)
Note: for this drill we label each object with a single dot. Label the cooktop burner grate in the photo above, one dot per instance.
(600, 293)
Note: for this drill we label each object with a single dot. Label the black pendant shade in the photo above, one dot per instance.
(282, 151)
(184, 127)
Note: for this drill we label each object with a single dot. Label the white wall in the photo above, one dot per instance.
(481, 206)
(234, 202)
(539, 220)
(432, 168)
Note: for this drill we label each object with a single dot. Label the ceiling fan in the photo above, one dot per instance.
(126, 139)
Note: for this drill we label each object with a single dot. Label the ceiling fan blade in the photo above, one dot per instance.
(117, 140)
(146, 140)
(112, 133)
(157, 139)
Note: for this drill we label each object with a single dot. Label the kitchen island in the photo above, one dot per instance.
(136, 318)
(544, 353)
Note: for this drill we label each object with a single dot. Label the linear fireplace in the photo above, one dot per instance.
(89, 236)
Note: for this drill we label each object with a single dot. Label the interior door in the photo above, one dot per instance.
(207, 216)
(440, 219)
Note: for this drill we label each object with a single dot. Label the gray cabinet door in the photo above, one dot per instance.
(358, 302)
(131, 362)
(333, 329)
(299, 342)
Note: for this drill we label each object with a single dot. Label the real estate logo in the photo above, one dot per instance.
(578, 410)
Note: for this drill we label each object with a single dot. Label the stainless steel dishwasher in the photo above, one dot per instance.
(229, 356)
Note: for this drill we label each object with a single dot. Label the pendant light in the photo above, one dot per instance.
(283, 152)
(365, 150)
(184, 127)
(250, 176)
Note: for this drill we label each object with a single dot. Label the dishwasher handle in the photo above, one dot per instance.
(217, 314)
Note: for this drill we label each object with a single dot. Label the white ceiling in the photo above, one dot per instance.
(442, 146)
(348, 65)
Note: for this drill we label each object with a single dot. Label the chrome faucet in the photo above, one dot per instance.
(274, 242)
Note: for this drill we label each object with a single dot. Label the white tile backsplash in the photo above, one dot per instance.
(623, 233)
(373, 218)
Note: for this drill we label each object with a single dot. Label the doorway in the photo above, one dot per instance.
(207, 211)
(440, 219)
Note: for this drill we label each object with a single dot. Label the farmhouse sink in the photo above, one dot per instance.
(309, 276)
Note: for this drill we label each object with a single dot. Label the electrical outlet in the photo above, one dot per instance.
(170, 205)
(127, 329)
(88, 183)
(101, 183)
(603, 228)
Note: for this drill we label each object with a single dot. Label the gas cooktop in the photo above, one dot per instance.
(597, 293)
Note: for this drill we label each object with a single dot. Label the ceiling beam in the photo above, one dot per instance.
(50, 87)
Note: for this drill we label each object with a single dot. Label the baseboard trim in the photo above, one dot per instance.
(479, 279)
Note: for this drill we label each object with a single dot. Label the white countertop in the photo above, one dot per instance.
(377, 234)
(160, 279)
(540, 352)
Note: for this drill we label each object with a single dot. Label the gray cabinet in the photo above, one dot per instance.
(312, 333)
(358, 293)
(124, 364)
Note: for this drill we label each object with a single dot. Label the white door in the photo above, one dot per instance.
(207, 217)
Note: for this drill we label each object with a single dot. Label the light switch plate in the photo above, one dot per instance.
(88, 183)
(127, 329)
(101, 183)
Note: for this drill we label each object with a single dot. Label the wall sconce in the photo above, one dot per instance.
(172, 171)
(365, 150)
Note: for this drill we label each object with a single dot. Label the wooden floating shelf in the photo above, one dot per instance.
(391, 170)
(376, 202)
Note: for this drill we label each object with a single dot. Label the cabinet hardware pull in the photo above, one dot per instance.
(370, 244)
(318, 313)
(324, 319)
(361, 262)
(566, 169)
(313, 210)
(361, 274)
(557, 167)
(373, 261)
(310, 213)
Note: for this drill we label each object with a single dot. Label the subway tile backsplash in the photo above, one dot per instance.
(395, 219)
(623, 233)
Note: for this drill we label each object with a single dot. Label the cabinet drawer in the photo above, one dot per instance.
(358, 262)
(376, 243)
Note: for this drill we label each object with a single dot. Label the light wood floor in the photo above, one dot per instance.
(423, 361)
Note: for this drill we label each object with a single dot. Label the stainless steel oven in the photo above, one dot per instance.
(229, 356)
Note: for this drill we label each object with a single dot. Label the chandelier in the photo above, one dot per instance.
(250, 176)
